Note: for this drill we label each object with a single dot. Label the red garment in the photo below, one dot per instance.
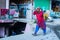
(4, 11)
(40, 18)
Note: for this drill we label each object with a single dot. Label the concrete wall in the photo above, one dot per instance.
(2, 3)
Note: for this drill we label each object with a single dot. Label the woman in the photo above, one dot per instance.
(40, 21)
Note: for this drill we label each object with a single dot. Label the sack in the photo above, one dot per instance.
(45, 16)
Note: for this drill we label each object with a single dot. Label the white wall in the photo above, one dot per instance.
(29, 12)
(7, 4)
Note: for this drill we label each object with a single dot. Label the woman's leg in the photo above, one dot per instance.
(44, 29)
(37, 29)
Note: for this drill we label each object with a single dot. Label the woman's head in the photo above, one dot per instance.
(38, 9)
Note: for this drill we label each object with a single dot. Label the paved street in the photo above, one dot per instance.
(29, 36)
(55, 26)
(51, 33)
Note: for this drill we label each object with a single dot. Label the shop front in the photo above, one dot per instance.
(16, 12)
